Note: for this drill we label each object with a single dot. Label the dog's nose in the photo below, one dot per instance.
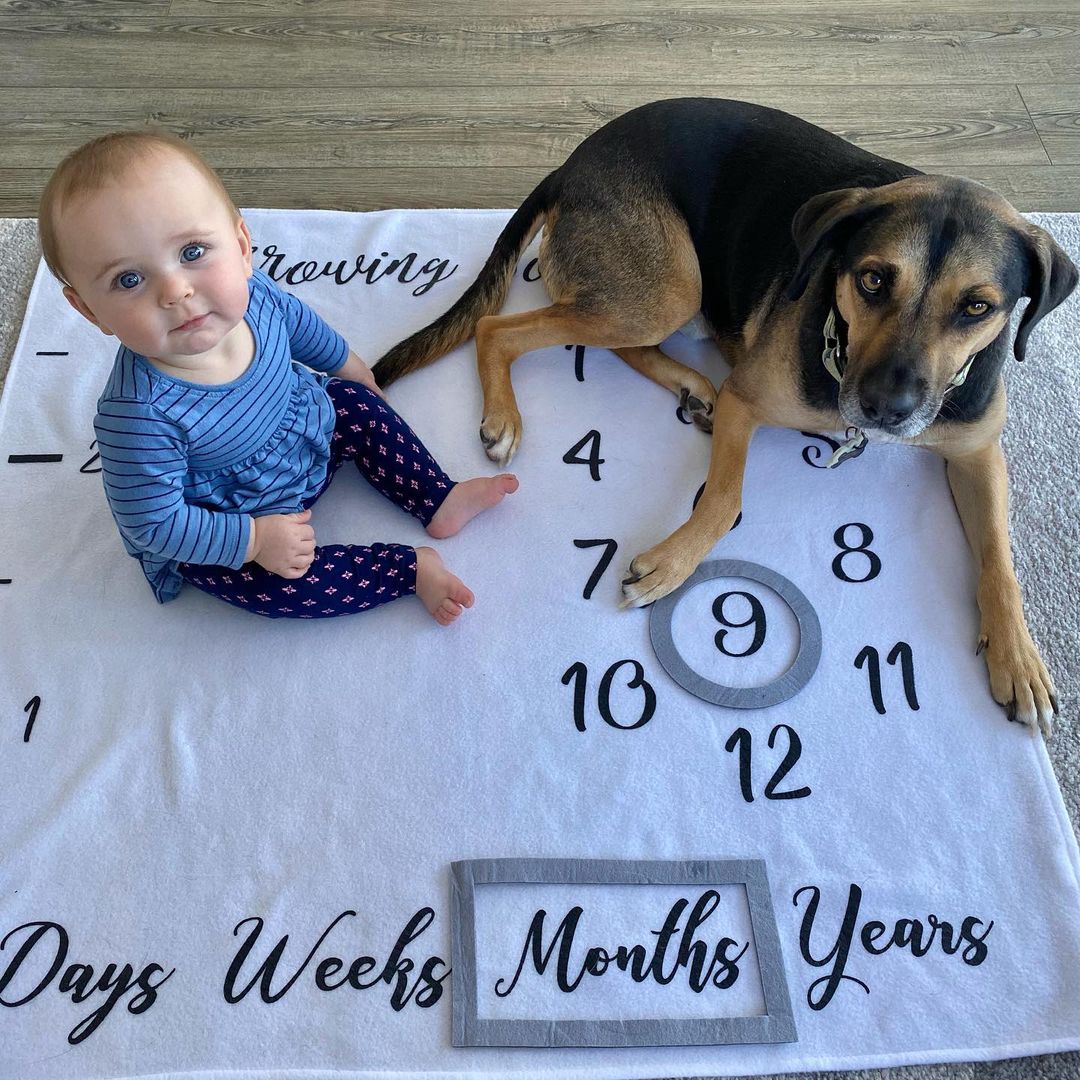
(888, 409)
(888, 397)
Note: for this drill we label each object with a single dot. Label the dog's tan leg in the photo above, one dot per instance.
(663, 568)
(695, 393)
(1018, 678)
(501, 339)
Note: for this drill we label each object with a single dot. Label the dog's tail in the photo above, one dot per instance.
(483, 297)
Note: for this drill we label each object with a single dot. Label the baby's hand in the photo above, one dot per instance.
(284, 543)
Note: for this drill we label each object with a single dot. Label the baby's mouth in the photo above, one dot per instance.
(192, 324)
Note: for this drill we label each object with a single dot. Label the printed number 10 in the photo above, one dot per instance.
(580, 674)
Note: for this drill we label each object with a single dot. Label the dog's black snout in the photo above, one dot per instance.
(888, 396)
(889, 410)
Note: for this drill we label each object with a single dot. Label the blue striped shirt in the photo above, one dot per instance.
(184, 464)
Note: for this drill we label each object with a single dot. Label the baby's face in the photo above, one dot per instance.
(158, 260)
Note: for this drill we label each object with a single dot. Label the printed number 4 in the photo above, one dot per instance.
(594, 460)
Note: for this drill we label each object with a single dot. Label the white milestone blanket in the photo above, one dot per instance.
(227, 841)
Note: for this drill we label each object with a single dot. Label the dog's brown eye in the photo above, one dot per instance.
(871, 281)
(975, 309)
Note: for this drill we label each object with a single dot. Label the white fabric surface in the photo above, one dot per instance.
(192, 766)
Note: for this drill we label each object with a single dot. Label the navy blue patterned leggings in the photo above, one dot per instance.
(346, 578)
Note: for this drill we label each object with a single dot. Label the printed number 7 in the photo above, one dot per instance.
(610, 547)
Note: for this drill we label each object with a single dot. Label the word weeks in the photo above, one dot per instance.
(425, 988)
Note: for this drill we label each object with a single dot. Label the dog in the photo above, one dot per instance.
(844, 289)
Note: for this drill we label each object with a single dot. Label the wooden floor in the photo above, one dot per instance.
(353, 105)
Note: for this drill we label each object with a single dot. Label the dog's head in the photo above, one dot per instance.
(928, 270)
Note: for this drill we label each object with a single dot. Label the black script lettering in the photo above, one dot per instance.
(396, 969)
(78, 979)
(564, 939)
(437, 268)
(704, 966)
(838, 955)
(689, 948)
(271, 260)
(265, 974)
(272, 263)
(425, 989)
(306, 271)
(877, 938)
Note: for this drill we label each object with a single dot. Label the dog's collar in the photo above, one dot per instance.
(833, 358)
(961, 375)
(831, 355)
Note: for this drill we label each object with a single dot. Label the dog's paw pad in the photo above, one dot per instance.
(699, 410)
(500, 438)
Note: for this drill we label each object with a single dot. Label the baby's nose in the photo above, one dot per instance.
(175, 289)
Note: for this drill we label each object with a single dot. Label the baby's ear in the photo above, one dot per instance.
(77, 302)
(244, 236)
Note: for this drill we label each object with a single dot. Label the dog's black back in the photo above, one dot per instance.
(740, 212)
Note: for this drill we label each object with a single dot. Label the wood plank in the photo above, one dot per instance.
(1056, 112)
(1045, 187)
(1049, 188)
(865, 9)
(924, 126)
(102, 8)
(797, 48)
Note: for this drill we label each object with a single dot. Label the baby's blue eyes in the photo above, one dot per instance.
(131, 279)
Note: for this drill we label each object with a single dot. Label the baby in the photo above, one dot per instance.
(231, 404)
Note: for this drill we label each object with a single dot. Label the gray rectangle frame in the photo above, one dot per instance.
(777, 1025)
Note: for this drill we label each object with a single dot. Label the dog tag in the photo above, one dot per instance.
(854, 446)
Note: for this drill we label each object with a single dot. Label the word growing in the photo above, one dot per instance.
(274, 263)
(876, 938)
(364, 972)
(660, 961)
(77, 979)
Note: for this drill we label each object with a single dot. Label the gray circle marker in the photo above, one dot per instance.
(739, 697)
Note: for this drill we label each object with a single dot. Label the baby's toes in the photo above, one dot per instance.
(460, 596)
(448, 611)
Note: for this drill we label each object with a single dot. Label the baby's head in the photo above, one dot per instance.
(147, 243)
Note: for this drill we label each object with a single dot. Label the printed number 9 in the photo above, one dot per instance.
(757, 618)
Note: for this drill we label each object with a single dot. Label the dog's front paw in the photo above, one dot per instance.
(654, 574)
(1018, 678)
(501, 434)
(700, 410)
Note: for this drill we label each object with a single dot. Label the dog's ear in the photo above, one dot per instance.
(1051, 276)
(825, 222)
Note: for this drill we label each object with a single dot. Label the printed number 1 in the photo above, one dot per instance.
(31, 708)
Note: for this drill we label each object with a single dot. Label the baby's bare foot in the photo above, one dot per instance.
(467, 499)
(442, 594)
